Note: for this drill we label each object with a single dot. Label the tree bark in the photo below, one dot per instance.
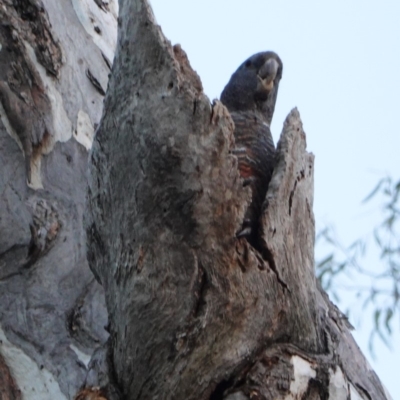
(52, 311)
(194, 312)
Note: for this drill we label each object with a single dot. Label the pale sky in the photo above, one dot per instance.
(342, 71)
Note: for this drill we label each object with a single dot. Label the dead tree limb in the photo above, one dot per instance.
(194, 312)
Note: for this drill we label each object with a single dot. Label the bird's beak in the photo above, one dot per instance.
(267, 74)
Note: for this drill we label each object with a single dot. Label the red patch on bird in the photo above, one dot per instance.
(245, 171)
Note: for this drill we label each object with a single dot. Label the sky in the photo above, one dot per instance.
(342, 71)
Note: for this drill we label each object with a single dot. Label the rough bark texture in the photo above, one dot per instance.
(196, 313)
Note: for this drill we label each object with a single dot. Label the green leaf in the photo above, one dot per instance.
(388, 317)
(375, 190)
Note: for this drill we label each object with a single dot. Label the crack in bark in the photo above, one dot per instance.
(291, 197)
(95, 82)
(218, 392)
(107, 61)
(269, 258)
(363, 390)
(301, 175)
(201, 292)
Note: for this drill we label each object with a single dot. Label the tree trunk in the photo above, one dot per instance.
(194, 312)
(52, 76)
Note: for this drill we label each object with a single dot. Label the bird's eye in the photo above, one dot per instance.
(248, 63)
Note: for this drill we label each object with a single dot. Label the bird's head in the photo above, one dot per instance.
(254, 85)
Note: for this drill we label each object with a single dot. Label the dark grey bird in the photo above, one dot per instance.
(250, 97)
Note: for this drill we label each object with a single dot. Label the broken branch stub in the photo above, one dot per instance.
(191, 307)
(185, 297)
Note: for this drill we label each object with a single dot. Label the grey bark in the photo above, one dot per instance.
(52, 311)
(194, 313)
